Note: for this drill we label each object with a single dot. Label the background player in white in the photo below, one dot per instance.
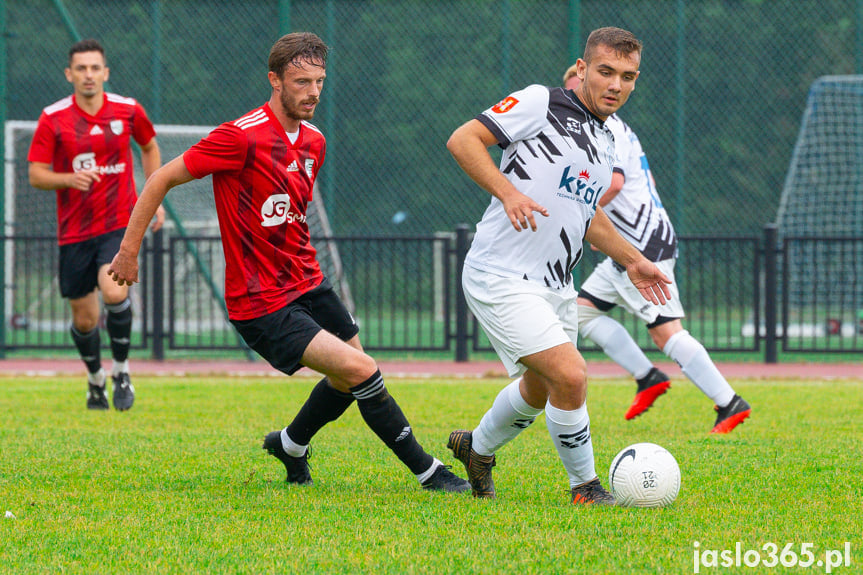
(557, 161)
(634, 207)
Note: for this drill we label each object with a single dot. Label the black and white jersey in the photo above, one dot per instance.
(636, 211)
(559, 154)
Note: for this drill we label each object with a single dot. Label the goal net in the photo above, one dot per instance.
(197, 273)
(821, 208)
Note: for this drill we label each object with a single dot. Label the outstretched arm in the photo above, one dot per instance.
(469, 146)
(644, 275)
(124, 267)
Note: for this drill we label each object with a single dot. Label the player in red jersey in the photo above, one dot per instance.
(82, 149)
(264, 165)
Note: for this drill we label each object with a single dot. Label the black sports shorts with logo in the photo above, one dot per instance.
(281, 337)
(80, 263)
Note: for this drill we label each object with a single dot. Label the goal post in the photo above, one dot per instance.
(823, 190)
(821, 208)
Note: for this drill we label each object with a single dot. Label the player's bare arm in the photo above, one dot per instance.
(124, 267)
(469, 146)
(617, 181)
(644, 275)
(151, 160)
(44, 178)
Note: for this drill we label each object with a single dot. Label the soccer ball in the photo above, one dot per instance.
(644, 475)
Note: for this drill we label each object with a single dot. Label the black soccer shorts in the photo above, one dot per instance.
(80, 263)
(281, 337)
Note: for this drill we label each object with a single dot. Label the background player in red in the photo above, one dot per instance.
(82, 149)
(264, 166)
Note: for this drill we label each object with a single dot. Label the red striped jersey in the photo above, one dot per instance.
(71, 140)
(262, 185)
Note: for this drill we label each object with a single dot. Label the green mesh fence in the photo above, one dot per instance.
(718, 104)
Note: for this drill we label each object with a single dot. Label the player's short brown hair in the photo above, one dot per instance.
(297, 47)
(86, 45)
(621, 41)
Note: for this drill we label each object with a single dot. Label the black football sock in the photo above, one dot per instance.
(89, 345)
(325, 404)
(119, 324)
(384, 416)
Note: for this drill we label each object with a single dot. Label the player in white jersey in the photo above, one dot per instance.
(557, 161)
(633, 205)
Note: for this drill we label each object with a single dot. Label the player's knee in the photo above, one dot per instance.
(574, 390)
(85, 320)
(359, 366)
(533, 391)
(659, 340)
(574, 380)
(353, 371)
(663, 333)
(85, 324)
(114, 294)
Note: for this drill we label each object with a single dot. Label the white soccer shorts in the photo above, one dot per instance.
(613, 286)
(520, 317)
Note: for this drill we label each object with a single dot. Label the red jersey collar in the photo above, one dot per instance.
(84, 112)
(283, 134)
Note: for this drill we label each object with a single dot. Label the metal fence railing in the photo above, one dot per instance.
(713, 169)
(739, 293)
(821, 294)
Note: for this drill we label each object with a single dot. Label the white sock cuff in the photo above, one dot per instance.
(119, 307)
(291, 448)
(570, 432)
(517, 401)
(566, 417)
(683, 353)
(479, 444)
(430, 471)
(97, 378)
(120, 367)
(695, 363)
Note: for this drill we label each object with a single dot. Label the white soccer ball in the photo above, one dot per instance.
(644, 475)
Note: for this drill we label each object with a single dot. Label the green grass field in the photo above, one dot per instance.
(179, 484)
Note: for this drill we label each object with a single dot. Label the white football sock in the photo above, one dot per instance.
(291, 448)
(616, 342)
(120, 367)
(696, 364)
(98, 378)
(570, 432)
(509, 415)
